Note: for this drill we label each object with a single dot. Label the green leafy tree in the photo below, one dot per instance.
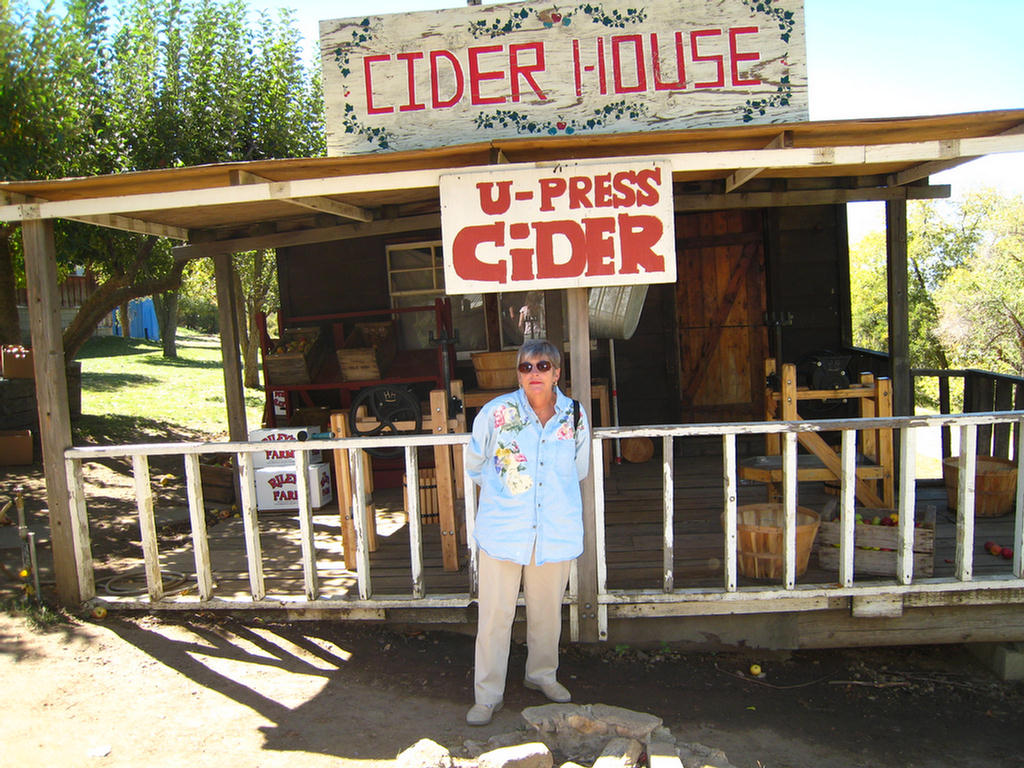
(178, 83)
(981, 317)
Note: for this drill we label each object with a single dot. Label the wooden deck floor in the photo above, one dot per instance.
(633, 537)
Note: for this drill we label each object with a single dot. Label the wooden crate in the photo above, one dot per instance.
(876, 545)
(368, 352)
(296, 357)
(218, 481)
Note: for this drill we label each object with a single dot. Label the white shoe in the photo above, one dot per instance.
(481, 714)
(554, 691)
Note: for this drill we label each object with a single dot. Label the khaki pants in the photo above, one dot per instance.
(543, 587)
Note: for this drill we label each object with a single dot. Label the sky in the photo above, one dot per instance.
(872, 58)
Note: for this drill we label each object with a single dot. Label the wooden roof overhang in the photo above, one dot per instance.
(229, 207)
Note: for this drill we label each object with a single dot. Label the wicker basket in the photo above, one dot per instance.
(496, 370)
(760, 529)
(995, 485)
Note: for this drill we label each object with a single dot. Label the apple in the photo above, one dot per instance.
(989, 545)
(99, 612)
(755, 670)
(1008, 553)
(996, 550)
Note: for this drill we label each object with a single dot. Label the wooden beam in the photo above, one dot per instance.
(579, 339)
(684, 202)
(123, 223)
(925, 170)
(323, 204)
(791, 158)
(899, 306)
(71, 563)
(307, 236)
(234, 394)
(741, 177)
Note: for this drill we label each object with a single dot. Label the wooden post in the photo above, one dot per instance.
(72, 560)
(445, 486)
(579, 339)
(899, 306)
(229, 347)
(343, 472)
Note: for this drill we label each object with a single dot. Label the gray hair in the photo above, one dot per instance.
(540, 348)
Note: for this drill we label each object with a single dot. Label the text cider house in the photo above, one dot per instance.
(617, 64)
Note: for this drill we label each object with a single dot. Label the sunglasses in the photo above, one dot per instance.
(542, 365)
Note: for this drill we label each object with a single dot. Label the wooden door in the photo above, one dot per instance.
(720, 306)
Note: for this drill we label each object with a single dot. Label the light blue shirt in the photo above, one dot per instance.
(529, 477)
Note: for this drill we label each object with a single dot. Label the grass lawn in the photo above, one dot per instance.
(132, 393)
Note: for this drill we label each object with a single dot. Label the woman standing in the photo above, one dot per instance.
(529, 451)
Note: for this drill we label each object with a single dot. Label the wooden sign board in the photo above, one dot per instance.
(464, 75)
(570, 225)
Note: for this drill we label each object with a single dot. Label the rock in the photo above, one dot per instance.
(626, 722)
(531, 755)
(700, 756)
(471, 748)
(424, 754)
(580, 731)
(620, 752)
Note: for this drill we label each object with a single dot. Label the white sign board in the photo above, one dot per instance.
(464, 75)
(565, 226)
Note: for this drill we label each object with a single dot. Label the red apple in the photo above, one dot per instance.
(1008, 553)
(996, 550)
(989, 545)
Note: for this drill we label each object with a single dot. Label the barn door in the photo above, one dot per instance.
(720, 306)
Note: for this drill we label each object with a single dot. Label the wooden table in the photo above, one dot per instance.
(476, 398)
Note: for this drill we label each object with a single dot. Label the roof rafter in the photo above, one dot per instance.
(110, 221)
(843, 158)
(281, 190)
(924, 170)
(741, 177)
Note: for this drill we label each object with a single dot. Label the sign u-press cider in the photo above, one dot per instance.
(564, 226)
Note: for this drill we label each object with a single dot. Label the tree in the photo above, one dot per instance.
(178, 83)
(51, 115)
(981, 316)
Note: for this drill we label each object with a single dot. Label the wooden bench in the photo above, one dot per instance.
(874, 462)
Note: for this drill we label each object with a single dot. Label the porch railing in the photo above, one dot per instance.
(728, 597)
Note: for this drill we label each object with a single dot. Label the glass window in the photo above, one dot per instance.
(522, 317)
(416, 278)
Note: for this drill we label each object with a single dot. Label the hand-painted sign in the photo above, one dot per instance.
(568, 225)
(417, 80)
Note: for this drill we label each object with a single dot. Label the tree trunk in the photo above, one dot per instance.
(106, 297)
(123, 314)
(10, 325)
(250, 372)
(166, 305)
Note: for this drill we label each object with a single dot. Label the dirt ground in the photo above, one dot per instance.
(131, 691)
(134, 690)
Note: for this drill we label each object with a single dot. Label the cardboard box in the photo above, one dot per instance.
(16, 363)
(280, 455)
(277, 488)
(15, 447)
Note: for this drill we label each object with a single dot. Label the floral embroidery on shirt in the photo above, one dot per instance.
(509, 461)
(565, 427)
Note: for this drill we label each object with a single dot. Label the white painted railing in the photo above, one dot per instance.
(789, 596)
(669, 600)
